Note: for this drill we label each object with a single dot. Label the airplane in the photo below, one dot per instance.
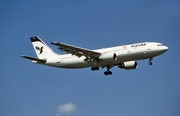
(124, 57)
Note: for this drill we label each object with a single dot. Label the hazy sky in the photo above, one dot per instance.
(27, 89)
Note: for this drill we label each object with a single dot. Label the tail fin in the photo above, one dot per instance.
(41, 49)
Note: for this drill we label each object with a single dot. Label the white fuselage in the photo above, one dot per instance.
(123, 53)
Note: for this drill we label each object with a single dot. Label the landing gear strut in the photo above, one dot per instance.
(95, 67)
(108, 72)
(150, 63)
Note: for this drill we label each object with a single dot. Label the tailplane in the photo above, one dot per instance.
(35, 60)
(41, 49)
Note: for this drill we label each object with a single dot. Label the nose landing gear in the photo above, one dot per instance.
(150, 61)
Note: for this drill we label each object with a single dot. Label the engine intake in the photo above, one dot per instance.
(129, 65)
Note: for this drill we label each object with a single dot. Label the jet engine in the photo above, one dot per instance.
(129, 65)
(109, 57)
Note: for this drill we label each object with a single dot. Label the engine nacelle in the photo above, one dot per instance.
(129, 65)
(109, 57)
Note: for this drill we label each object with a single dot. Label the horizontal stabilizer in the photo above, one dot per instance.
(34, 59)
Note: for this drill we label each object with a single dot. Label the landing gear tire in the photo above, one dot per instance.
(107, 73)
(97, 68)
(94, 68)
(150, 63)
(110, 73)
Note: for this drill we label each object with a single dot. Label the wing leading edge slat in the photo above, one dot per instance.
(74, 50)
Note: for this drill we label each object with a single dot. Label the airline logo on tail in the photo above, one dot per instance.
(40, 49)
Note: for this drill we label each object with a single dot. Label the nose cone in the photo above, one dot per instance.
(165, 48)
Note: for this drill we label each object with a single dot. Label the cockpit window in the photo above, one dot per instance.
(159, 44)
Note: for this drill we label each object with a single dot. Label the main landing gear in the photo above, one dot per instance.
(150, 61)
(97, 68)
(108, 72)
(105, 73)
(94, 68)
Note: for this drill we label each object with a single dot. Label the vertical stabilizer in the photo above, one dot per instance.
(41, 49)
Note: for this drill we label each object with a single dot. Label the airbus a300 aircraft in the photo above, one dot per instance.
(122, 56)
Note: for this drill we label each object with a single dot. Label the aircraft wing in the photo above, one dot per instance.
(77, 50)
(34, 59)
